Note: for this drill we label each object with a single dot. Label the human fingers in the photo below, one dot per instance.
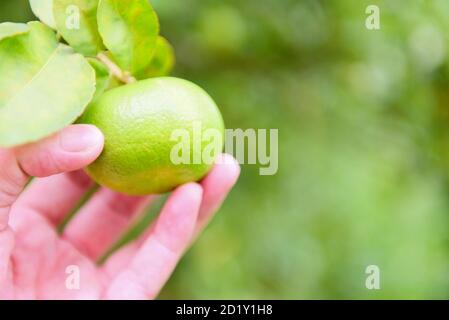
(70, 149)
(152, 264)
(54, 197)
(102, 220)
(217, 185)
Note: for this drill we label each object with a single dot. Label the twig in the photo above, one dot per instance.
(124, 77)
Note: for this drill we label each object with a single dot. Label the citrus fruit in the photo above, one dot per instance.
(141, 123)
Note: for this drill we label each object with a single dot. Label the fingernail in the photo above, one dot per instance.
(80, 137)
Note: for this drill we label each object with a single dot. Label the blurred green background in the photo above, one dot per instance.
(363, 145)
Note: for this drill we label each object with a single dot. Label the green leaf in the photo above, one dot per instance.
(21, 54)
(10, 29)
(43, 9)
(129, 30)
(162, 62)
(103, 76)
(76, 21)
(44, 86)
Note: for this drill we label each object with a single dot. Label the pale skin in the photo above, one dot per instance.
(36, 261)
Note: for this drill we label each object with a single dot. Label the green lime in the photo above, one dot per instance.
(159, 133)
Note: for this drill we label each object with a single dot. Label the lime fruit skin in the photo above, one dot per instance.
(138, 121)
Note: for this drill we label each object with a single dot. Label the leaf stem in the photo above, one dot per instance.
(121, 75)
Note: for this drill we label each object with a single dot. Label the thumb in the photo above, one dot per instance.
(70, 149)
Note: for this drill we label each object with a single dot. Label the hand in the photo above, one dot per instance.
(38, 263)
